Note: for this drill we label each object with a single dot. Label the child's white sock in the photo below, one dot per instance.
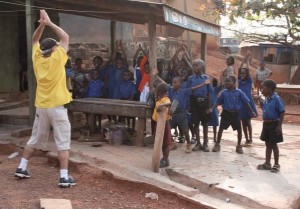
(23, 164)
(64, 174)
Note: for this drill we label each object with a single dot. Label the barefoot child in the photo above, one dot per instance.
(245, 85)
(273, 113)
(232, 99)
(214, 120)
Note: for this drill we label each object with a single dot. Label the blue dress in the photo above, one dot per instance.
(246, 87)
(214, 120)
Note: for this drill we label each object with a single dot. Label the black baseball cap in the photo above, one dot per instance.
(48, 43)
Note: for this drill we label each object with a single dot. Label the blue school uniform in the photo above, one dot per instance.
(95, 88)
(232, 100)
(70, 72)
(180, 117)
(181, 95)
(195, 80)
(273, 107)
(114, 81)
(214, 120)
(127, 89)
(184, 84)
(246, 87)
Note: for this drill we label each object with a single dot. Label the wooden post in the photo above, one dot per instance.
(159, 135)
(152, 41)
(203, 46)
(112, 37)
(30, 73)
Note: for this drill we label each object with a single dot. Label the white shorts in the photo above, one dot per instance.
(57, 117)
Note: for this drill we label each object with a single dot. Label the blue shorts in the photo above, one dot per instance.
(179, 119)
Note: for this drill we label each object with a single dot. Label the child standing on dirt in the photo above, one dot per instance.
(184, 76)
(214, 120)
(179, 114)
(245, 85)
(231, 99)
(273, 114)
(161, 96)
(262, 73)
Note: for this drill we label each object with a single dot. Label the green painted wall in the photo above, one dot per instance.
(9, 54)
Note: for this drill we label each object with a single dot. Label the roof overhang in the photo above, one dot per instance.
(131, 11)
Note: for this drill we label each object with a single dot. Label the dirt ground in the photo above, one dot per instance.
(94, 190)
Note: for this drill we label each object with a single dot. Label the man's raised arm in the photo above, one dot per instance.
(62, 35)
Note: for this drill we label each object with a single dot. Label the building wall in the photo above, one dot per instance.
(93, 30)
(195, 8)
(9, 51)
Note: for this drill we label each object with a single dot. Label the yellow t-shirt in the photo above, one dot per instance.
(158, 103)
(50, 75)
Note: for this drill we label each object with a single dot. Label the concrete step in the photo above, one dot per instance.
(15, 116)
(12, 105)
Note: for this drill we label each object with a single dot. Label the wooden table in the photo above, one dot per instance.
(286, 88)
(289, 94)
(115, 107)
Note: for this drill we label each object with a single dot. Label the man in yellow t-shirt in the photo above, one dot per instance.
(49, 58)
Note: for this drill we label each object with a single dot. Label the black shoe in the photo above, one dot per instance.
(205, 147)
(64, 183)
(193, 140)
(163, 163)
(181, 139)
(22, 174)
(197, 147)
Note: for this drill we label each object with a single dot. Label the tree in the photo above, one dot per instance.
(281, 15)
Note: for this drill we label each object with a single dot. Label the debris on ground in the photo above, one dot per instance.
(13, 155)
(152, 196)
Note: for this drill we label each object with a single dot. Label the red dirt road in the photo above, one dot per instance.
(94, 189)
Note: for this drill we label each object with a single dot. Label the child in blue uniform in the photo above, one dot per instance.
(232, 99)
(179, 116)
(127, 91)
(184, 76)
(273, 114)
(245, 84)
(214, 120)
(95, 90)
(200, 103)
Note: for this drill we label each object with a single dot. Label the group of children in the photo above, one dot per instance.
(196, 94)
(111, 80)
(198, 97)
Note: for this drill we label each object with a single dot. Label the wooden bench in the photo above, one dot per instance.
(115, 107)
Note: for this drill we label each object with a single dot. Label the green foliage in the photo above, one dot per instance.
(262, 10)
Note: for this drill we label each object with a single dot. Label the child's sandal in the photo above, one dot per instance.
(264, 167)
(275, 168)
